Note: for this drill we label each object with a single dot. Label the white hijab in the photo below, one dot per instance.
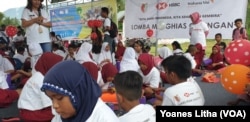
(129, 61)
(164, 52)
(82, 55)
(104, 54)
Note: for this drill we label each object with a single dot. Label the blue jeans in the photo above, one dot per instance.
(110, 40)
(46, 47)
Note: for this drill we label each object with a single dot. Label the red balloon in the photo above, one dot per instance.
(150, 32)
(238, 52)
(98, 23)
(93, 36)
(91, 23)
(11, 30)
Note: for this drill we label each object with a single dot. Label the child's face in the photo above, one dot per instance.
(137, 48)
(174, 47)
(107, 48)
(214, 50)
(71, 50)
(238, 24)
(194, 52)
(61, 104)
(217, 38)
(142, 66)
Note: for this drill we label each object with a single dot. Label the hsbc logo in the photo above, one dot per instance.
(164, 5)
(161, 5)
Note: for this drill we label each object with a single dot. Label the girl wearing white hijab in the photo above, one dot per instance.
(164, 52)
(83, 57)
(106, 55)
(35, 51)
(129, 62)
(83, 54)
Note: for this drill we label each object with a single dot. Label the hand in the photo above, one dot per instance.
(20, 71)
(38, 20)
(214, 65)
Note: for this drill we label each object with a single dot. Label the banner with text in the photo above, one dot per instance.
(170, 18)
(71, 21)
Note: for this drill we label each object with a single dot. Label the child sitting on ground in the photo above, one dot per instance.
(217, 59)
(184, 90)
(128, 87)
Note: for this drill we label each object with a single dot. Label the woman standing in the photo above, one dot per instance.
(36, 22)
(198, 30)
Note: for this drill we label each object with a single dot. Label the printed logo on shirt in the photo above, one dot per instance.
(188, 94)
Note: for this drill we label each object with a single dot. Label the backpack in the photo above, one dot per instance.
(113, 29)
(241, 31)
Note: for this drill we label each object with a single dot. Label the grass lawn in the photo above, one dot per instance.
(210, 44)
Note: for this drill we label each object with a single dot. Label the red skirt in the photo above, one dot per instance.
(43, 115)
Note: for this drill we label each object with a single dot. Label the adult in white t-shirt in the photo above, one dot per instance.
(36, 22)
(107, 27)
(198, 30)
(184, 90)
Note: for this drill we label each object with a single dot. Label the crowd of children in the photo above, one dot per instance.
(67, 83)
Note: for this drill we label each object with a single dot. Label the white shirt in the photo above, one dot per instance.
(22, 58)
(197, 32)
(107, 23)
(60, 53)
(152, 79)
(140, 113)
(3, 81)
(191, 59)
(187, 93)
(32, 98)
(178, 52)
(102, 113)
(6, 65)
(164, 52)
(32, 32)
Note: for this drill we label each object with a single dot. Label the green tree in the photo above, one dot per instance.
(121, 5)
(1, 17)
(10, 21)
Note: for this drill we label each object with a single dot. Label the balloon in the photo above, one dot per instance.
(93, 36)
(91, 23)
(11, 30)
(98, 23)
(150, 32)
(238, 52)
(161, 25)
(234, 78)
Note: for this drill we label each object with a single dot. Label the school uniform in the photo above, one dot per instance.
(187, 93)
(92, 109)
(177, 52)
(191, 59)
(151, 76)
(60, 53)
(140, 113)
(129, 62)
(104, 55)
(7, 97)
(21, 57)
(34, 104)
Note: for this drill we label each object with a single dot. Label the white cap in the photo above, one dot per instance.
(35, 49)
